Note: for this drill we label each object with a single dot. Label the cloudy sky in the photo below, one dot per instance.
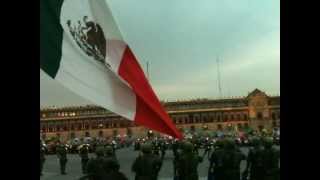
(182, 39)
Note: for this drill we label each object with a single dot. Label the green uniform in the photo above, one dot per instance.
(255, 161)
(95, 168)
(84, 154)
(188, 162)
(42, 158)
(216, 168)
(62, 155)
(147, 165)
(271, 162)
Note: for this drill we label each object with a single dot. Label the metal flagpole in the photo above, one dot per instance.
(148, 71)
(219, 81)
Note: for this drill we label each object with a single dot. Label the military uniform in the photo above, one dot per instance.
(271, 161)
(84, 154)
(156, 147)
(62, 155)
(227, 162)
(96, 166)
(111, 162)
(147, 165)
(216, 169)
(188, 162)
(175, 146)
(232, 158)
(42, 157)
(255, 162)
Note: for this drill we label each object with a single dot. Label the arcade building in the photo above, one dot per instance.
(257, 110)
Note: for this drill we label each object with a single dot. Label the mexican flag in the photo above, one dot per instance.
(81, 47)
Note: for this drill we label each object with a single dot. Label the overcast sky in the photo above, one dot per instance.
(182, 39)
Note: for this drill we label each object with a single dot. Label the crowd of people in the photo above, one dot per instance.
(222, 151)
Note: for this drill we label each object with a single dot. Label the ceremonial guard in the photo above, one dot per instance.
(62, 156)
(147, 165)
(84, 154)
(42, 156)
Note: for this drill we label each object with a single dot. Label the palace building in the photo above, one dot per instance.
(257, 110)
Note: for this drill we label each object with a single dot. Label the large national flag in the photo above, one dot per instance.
(81, 47)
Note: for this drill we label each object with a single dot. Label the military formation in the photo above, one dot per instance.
(223, 153)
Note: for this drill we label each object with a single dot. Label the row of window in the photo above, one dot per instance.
(84, 125)
(72, 114)
(210, 118)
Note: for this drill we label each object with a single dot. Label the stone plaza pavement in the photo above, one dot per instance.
(126, 157)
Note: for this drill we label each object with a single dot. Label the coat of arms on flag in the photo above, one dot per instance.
(89, 36)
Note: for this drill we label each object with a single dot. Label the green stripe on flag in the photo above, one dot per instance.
(51, 35)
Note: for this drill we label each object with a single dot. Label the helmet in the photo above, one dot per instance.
(229, 144)
(255, 141)
(99, 151)
(187, 146)
(146, 148)
(268, 142)
(108, 150)
(219, 144)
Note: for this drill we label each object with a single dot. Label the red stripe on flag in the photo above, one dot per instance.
(150, 112)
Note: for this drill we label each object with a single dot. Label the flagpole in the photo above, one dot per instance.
(148, 71)
(219, 81)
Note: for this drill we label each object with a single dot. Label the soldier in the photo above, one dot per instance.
(207, 147)
(216, 169)
(62, 156)
(84, 154)
(231, 159)
(271, 161)
(163, 148)
(42, 157)
(96, 166)
(111, 160)
(188, 163)
(156, 147)
(254, 162)
(175, 146)
(147, 165)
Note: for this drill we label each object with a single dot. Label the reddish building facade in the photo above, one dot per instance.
(256, 110)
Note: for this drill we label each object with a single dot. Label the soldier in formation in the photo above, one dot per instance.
(254, 162)
(225, 162)
(84, 154)
(42, 157)
(271, 161)
(147, 165)
(187, 163)
(62, 156)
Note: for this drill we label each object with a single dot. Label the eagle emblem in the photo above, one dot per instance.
(90, 38)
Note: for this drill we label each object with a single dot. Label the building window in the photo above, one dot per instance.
(238, 117)
(245, 117)
(273, 116)
(232, 117)
(218, 118)
(259, 116)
